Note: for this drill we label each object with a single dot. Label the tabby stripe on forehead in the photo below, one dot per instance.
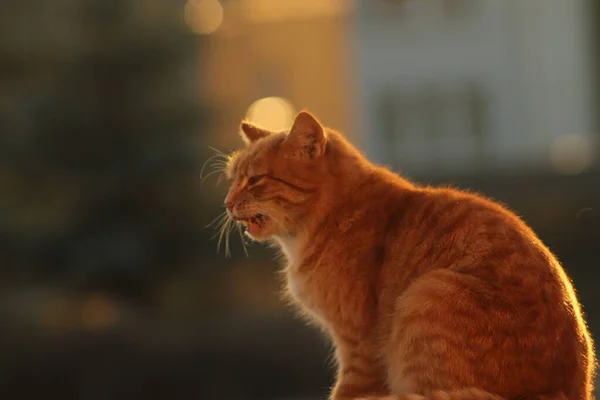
(295, 187)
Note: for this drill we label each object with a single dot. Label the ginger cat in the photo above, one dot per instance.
(427, 293)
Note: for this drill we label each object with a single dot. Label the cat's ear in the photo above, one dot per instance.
(307, 136)
(251, 133)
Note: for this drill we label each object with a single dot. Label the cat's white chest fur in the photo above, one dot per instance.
(292, 248)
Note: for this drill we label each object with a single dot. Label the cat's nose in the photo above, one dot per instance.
(229, 205)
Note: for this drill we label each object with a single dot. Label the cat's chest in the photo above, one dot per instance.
(291, 248)
(296, 280)
(297, 287)
(303, 290)
(301, 284)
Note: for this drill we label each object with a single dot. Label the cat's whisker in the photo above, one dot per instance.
(224, 234)
(243, 239)
(227, 235)
(218, 162)
(221, 165)
(220, 179)
(209, 174)
(219, 152)
(219, 229)
(217, 220)
(207, 163)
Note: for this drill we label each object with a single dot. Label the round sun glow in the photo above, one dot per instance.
(572, 154)
(273, 113)
(203, 16)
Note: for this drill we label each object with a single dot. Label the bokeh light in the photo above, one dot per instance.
(203, 16)
(274, 113)
(99, 312)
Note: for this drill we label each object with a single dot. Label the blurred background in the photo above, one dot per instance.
(111, 286)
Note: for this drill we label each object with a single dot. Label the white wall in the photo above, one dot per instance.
(528, 58)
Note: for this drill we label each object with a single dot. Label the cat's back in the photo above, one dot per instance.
(446, 218)
(465, 232)
(496, 270)
(471, 234)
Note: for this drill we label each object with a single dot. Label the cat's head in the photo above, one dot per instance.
(276, 179)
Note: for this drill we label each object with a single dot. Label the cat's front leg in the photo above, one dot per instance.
(359, 375)
(351, 386)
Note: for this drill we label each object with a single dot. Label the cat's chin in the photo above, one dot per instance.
(258, 236)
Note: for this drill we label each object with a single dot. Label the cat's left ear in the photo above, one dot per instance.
(251, 133)
(307, 135)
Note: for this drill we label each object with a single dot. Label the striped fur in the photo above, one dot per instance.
(426, 292)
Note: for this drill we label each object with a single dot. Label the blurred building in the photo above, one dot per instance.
(433, 87)
(454, 86)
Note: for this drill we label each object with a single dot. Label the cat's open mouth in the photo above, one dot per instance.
(254, 223)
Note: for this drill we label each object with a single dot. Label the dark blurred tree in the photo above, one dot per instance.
(101, 143)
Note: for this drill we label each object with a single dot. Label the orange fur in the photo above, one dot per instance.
(424, 291)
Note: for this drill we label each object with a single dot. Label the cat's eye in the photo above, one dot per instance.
(253, 180)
